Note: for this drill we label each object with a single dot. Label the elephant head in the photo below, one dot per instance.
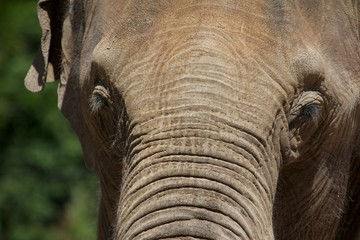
(210, 119)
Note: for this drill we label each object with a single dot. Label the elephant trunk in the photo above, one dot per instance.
(202, 152)
(181, 183)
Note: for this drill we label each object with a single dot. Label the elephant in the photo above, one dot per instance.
(212, 119)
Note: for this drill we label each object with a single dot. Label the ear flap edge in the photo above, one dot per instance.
(42, 70)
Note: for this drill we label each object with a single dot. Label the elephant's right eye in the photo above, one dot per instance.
(100, 90)
(99, 99)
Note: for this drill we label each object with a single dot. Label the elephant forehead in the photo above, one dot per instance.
(259, 22)
(237, 32)
(195, 53)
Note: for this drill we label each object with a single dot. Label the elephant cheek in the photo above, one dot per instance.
(290, 144)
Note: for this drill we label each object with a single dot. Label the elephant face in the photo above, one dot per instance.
(211, 119)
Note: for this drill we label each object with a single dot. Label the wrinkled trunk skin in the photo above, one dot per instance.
(193, 185)
(197, 155)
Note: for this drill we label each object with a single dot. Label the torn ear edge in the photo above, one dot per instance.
(46, 66)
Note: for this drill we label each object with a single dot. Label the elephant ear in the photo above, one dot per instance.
(47, 63)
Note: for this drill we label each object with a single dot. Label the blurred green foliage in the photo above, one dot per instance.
(45, 190)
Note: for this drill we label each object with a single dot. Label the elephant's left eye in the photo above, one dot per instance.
(310, 111)
(308, 108)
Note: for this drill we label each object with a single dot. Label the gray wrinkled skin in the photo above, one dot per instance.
(204, 119)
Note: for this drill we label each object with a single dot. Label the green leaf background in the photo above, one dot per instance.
(46, 192)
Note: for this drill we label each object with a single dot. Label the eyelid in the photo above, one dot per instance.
(312, 98)
(101, 91)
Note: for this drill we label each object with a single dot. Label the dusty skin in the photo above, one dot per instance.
(212, 119)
